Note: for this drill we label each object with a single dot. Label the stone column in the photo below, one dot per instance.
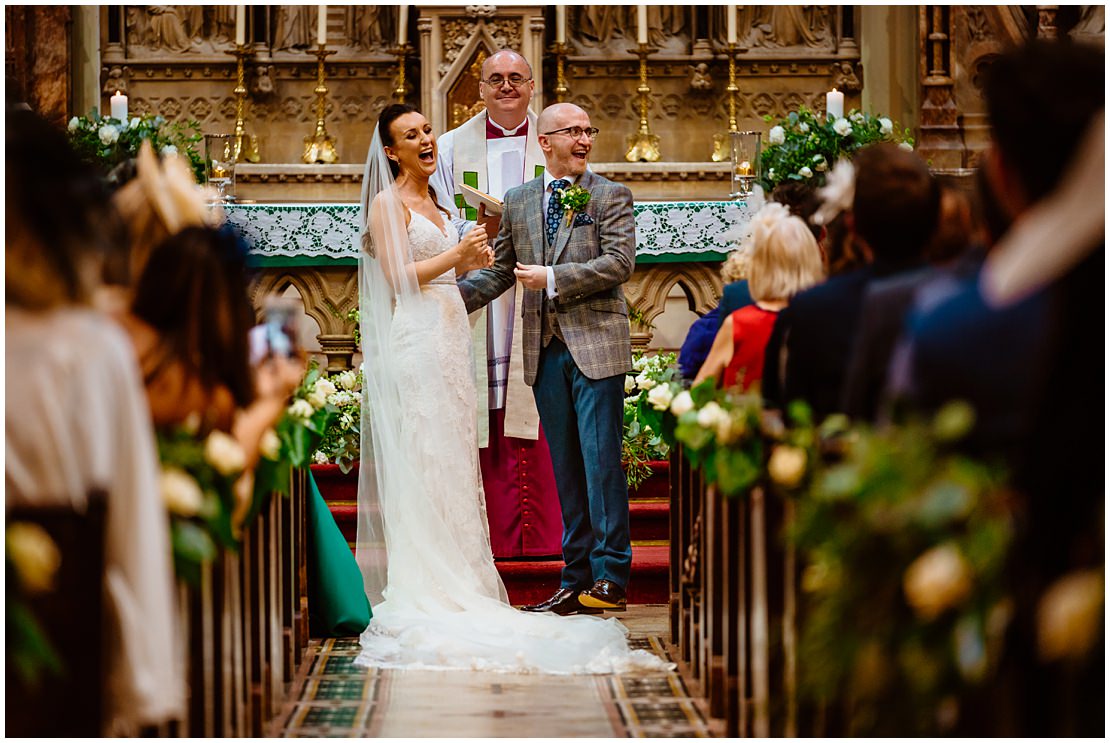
(38, 57)
(941, 142)
(86, 58)
(889, 58)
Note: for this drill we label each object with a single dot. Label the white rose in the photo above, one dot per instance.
(339, 399)
(180, 492)
(640, 363)
(270, 445)
(320, 458)
(629, 384)
(771, 173)
(726, 431)
(301, 409)
(169, 150)
(787, 465)
(820, 164)
(347, 380)
(805, 172)
(803, 127)
(644, 382)
(34, 556)
(938, 579)
(842, 127)
(682, 403)
(906, 146)
(857, 117)
(325, 386)
(777, 135)
(74, 123)
(886, 126)
(660, 397)
(224, 453)
(135, 122)
(710, 415)
(108, 134)
(317, 399)
(1069, 616)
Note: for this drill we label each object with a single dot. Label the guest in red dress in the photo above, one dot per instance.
(785, 259)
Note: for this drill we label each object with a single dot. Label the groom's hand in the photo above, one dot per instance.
(532, 277)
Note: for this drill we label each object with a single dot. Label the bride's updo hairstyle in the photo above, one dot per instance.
(389, 114)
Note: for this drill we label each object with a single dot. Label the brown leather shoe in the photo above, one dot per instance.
(563, 602)
(605, 594)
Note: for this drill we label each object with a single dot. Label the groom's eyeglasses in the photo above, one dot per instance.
(576, 132)
(514, 80)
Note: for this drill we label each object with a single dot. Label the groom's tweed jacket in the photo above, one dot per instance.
(591, 260)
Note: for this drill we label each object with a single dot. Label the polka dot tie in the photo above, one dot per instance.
(555, 209)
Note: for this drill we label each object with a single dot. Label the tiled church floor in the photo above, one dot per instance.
(337, 700)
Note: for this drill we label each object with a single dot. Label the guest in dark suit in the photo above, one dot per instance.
(1028, 353)
(894, 213)
(571, 263)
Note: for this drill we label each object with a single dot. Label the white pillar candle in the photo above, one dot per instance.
(834, 104)
(561, 24)
(118, 104)
(730, 14)
(641, 24)
(240, 24)
(322, 26)
(403, 25)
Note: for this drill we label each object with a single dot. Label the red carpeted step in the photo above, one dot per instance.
(532, 581)
(649, 520)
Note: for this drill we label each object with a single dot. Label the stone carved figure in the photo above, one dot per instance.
(262, 84)
(115, 80)
(776, 26)
(371, 27)
(1091, 27)
(613, 27)
(295, 28)
(846, 78)
(598, 24)
(220, 23)
(700, 81)
(192, 20)
(167, 29)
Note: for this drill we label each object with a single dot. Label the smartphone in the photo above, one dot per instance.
(277, 336)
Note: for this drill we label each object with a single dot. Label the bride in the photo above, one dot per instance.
(423, 540)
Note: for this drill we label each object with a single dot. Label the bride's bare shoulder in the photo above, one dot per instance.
(388, 205)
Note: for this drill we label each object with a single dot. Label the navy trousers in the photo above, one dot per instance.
(584, 422)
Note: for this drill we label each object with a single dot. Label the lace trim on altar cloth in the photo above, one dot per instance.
(332, 230)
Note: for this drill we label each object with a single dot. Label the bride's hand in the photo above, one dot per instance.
(474, 251)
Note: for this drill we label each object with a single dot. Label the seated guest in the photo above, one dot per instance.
(894, 213)
(699, 339)
(785, 259)
(802, 203)
(1024, 343)
(76, 418)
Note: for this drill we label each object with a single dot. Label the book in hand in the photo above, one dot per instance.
(474, 197)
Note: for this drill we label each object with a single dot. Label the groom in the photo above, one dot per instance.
(571, 254)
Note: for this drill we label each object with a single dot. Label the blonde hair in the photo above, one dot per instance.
(785, 257)
(737, 265)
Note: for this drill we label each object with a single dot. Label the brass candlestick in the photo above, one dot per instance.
(246, 146)
(560, 49)
(643, 145)
(402, 52)
(320, 146)
(722, 143)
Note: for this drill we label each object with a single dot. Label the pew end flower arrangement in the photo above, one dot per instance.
(643, 440)
(31, 562)
(107, 142)
(804, 146)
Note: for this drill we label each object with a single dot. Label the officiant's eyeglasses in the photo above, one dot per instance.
(514, 80)
(575, 132)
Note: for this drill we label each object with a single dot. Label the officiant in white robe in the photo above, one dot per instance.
(494, 151)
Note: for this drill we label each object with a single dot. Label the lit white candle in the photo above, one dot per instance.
(641, 24)
(240, 24)
(322, 26)
(834, 104)
(403, 25)
(561, 24)
(730, 15)
(118, 104)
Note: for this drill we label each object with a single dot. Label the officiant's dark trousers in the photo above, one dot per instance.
(584, 422)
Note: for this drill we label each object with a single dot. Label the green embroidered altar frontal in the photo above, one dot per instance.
(321, 234)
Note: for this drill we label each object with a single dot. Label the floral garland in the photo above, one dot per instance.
(804, 145)
(106, 142)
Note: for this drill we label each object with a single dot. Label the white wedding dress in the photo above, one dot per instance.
(444, 605)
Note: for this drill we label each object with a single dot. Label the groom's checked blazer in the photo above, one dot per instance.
(591, 259)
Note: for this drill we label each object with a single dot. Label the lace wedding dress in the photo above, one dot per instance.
(445, 606)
